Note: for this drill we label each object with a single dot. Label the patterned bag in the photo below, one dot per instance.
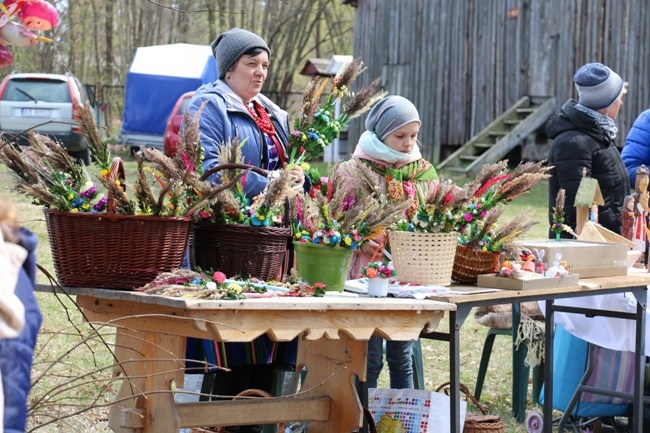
(411, 410)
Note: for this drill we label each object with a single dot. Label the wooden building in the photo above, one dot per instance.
(464, 62)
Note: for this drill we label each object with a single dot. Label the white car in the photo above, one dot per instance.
(44, 103)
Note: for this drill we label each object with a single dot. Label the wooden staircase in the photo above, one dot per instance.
(502, 135)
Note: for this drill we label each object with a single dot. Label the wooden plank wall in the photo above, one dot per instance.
(464, 62)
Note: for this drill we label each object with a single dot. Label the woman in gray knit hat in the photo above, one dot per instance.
(236, 108)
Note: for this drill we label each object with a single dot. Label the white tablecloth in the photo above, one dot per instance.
(607, 332)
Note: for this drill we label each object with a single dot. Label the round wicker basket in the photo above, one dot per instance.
(423, 258)
(239, 249)
(114, 251)
(476, 423)
(469, 263)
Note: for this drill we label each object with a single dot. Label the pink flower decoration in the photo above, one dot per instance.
(348, 203)
(469, 217)
(186, 161)
(219, 277)
(409, 188)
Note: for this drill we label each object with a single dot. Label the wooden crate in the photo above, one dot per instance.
(587, 259)
(491, 280)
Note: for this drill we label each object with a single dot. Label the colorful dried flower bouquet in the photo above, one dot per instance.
(473, 210)
(164, 186)
(343, 216)
(379, 270)
(187, 283)
(316, 125)
(267, 209)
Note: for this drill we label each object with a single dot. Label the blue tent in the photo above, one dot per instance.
(157, 77)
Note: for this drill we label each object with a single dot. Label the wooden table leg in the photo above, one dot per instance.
(332, 367)
(148, 364)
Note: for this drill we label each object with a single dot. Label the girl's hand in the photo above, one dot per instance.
(373, 248)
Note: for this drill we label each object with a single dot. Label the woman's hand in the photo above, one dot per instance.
(297, 174)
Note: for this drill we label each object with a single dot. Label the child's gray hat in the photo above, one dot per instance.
(390, 114)
(597, 85)
(232, 44)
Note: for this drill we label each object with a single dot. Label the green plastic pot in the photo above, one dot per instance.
(322, 263)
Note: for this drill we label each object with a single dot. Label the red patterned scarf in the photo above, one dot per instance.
(263, 121)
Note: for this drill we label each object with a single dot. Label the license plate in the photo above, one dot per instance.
(35, 112)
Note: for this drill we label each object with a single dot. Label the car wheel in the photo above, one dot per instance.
(83, 156)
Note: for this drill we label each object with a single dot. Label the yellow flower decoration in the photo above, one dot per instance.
(387, 424)
(234, 288)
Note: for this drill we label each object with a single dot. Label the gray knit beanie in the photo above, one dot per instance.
(390, 114)
(597, 85)
(231, 45)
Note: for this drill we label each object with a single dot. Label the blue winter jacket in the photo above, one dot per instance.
(224, 117)
(637, 145)
(16, 353)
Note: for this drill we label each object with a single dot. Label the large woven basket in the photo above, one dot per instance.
(114, 251)
(238, 249)
(469, 263)
(110, 250)
(423, 258)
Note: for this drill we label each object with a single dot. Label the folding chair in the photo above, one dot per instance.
(590, 383)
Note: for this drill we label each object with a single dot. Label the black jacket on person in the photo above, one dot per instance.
(579, 142)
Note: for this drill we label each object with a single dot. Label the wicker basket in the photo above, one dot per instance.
(469, 263)
(423, 258)
(110, 250)
(238, 249)
(477, 423)
(114, 251)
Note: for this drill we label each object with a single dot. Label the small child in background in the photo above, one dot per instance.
(17, 301)
(389, 146)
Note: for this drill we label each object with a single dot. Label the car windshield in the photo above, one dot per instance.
(184, 103)
(36, 90)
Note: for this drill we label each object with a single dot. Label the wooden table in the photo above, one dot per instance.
(333, 333)
(635, 283)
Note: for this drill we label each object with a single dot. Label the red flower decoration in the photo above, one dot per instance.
(219, 277)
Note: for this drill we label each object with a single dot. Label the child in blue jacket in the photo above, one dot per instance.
(16, 353)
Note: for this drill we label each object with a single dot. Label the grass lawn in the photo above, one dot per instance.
(72, 369)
